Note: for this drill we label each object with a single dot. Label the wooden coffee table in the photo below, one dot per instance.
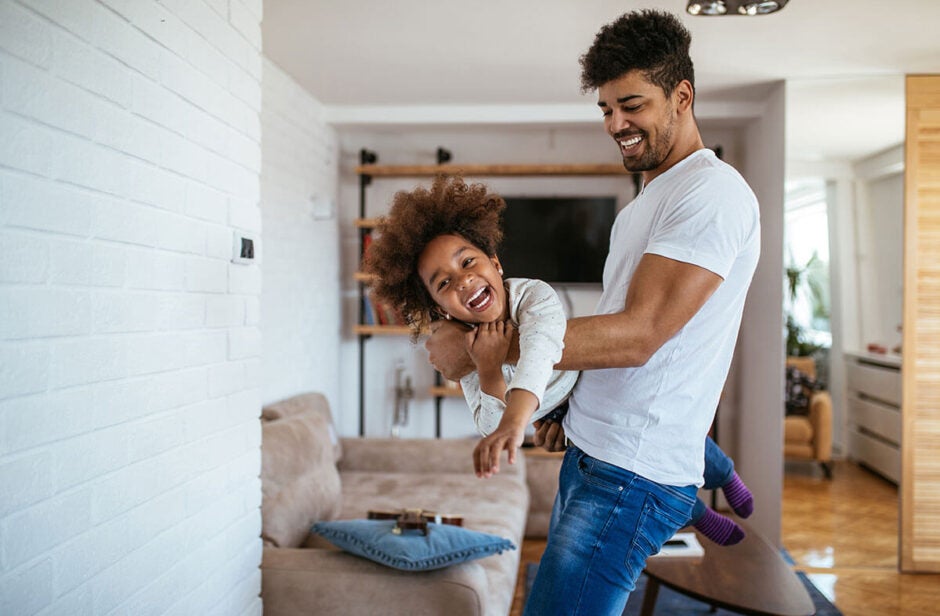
(750, 577)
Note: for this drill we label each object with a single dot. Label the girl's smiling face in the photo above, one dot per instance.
(463, 280)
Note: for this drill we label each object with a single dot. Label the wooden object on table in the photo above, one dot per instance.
(409, 519)
(750, 577)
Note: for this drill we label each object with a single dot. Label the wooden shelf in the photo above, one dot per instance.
(446, 392)
(366, 223)
(402, 171)
(382, 330)
(363, 277)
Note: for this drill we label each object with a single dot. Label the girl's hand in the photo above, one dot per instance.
(508, 436)
(488, 344)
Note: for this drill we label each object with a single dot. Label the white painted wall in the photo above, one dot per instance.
(843, 292)
(129, 343)
(879, 239)
(752, 410)
(300, 299)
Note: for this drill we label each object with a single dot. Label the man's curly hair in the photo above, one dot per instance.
(654, 42)
(449, 207)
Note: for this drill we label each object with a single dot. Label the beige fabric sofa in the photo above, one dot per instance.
(309, 475)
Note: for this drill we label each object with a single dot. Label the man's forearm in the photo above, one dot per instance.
(447, 350)
(664, 294)
(604, 341)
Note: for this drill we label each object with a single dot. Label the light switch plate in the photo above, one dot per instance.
(244, 247)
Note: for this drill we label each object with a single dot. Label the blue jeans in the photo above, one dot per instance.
(719, 469)
(605, 523)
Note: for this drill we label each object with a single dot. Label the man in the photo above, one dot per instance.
(657, 352)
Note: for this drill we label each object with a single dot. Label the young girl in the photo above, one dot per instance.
(435, 258)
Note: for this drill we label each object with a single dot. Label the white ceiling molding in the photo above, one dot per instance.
(888, 162)
(363, 116)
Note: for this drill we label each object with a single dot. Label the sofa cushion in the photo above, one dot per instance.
(315, 403)
(299, 481)
(496, 505)
(411, 550)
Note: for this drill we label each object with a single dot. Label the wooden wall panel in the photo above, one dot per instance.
(920, 448)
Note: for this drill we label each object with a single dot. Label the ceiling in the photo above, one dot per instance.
(844, 61)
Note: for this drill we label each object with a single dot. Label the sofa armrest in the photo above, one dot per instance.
(446, 455)
(297, 582)
(820, 416)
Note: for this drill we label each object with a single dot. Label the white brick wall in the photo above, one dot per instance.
(130, 345)
(300, 301)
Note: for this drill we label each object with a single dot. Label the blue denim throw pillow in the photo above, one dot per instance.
(444, 544)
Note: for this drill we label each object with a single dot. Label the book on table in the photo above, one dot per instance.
(681, 545)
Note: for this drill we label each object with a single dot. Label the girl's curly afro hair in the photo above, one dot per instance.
(449, 207)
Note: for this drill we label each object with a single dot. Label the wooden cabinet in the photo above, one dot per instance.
(874, 412)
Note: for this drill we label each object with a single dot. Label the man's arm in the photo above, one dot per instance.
(447, 349)
(664, 295)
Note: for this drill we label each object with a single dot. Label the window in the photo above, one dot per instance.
(806, 259)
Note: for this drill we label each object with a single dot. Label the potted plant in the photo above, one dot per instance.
(806, 305)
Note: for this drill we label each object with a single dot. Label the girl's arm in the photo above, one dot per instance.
(487, 346)
(508, 435)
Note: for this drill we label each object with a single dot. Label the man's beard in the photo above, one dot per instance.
(653, 153)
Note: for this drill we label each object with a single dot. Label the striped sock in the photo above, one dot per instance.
(718, 528)
(739, 497)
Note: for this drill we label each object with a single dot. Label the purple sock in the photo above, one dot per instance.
(718, 528)
(739, 497)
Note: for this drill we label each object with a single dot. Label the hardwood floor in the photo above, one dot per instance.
(843, 534)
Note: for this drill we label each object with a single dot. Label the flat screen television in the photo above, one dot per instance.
(561, 240)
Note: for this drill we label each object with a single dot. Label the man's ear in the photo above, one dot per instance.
(684, 95)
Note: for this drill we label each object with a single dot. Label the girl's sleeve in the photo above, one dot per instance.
(541, 322)
(487, 410)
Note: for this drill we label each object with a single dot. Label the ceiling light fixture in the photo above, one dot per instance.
(712, 7)
(734, 7)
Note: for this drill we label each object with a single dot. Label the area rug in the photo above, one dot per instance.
(675, 604)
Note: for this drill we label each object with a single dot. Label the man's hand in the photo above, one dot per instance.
(447, 350)
(549, 435)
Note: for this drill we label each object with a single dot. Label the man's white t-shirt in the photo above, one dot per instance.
(653, 419)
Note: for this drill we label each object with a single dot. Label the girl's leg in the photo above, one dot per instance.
(718, 528)
(719, 473)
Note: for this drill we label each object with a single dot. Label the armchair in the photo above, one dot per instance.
(809, 437)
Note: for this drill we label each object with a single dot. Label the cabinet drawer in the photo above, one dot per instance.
(881, 419)
(881, 383)
(875, 454)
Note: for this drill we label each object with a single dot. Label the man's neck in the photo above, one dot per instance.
(688, 141)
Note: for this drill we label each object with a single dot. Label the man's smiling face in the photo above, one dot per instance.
(641, 119)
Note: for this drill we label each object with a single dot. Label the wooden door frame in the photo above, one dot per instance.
(919, 519)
